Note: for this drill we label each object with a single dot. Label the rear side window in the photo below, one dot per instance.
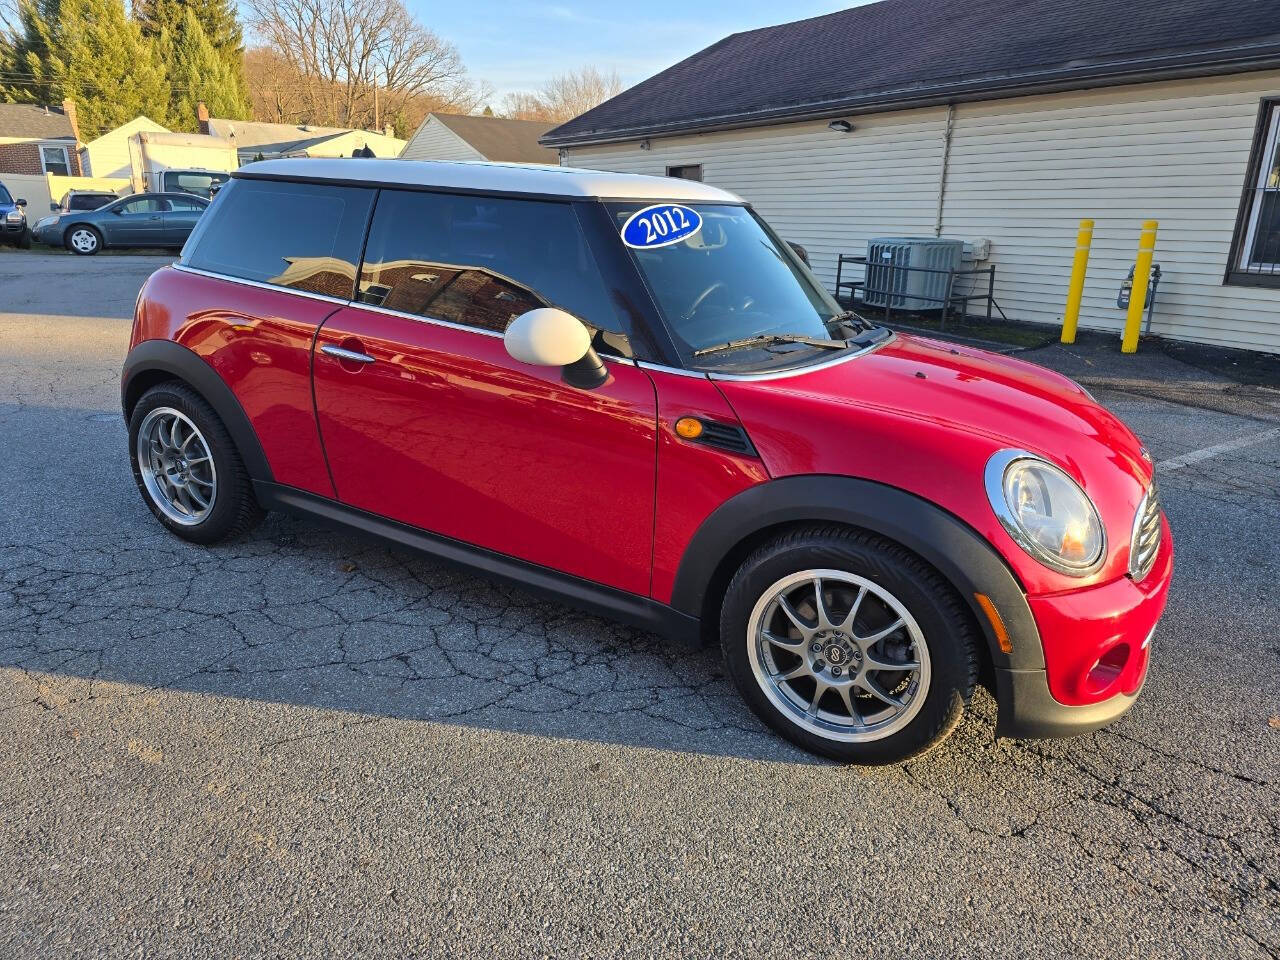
(89, 201)
(298, 235)
(481, 261)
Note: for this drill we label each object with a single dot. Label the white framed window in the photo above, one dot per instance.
(1256, 256)
(54, 159)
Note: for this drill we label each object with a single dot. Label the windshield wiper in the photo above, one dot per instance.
(855, 317)
(766, 339)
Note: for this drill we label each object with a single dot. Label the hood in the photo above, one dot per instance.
(925, 417)
(1012, 402)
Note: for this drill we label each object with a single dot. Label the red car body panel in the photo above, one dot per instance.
(259, 342)
(1080, 628)
(693, 478)
(448, 433)
(926, 416)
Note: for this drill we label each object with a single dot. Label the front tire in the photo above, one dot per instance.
(848, 645)
(24, 241)
(187, 468)
(83, 240)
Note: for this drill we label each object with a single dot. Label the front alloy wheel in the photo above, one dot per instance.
(84, 241)
(849, 645)
(839, 654)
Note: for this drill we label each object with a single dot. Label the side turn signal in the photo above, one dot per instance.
(689, 427)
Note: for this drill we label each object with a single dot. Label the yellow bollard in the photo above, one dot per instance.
(1138, 296)
(1071, 316)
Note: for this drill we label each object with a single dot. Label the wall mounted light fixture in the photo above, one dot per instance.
(840, 126)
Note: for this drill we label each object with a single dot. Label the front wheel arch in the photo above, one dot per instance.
(961, 556)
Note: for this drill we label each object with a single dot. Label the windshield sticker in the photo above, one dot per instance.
(659, 225)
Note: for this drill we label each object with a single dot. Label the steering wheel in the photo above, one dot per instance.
(701, 298)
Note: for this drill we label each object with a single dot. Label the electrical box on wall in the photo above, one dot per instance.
(977, 249)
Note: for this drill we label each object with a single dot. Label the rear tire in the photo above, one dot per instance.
(824, 676)
(187, 468)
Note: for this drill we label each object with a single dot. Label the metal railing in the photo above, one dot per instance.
(858, 289)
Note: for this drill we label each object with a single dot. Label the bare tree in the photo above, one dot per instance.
(565, 96)
(356, 63)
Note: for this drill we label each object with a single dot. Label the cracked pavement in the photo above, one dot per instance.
(306, 743)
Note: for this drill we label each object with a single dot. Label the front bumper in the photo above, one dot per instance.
(51, 235)
(1096, 652)
(12, 231)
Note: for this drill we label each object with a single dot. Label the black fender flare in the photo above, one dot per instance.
(950, 545)
(155, 360)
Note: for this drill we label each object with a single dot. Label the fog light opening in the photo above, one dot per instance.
(1108, 668)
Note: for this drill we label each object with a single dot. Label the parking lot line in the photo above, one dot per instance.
(1195, 456)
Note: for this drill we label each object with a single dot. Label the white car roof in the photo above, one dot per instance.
(530, 178)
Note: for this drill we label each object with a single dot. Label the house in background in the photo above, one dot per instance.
(36, 139)
(269, 141)
(452, 136)
(997, 121)
(108, 156)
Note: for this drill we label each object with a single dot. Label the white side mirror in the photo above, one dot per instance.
(547, 337)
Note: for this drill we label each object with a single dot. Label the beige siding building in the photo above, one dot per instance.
(1197, 154)
(108, 156)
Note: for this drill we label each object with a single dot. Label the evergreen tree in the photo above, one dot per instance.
(216, 17)
(91, 52)
(196, 71)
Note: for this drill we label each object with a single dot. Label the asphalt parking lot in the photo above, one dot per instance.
(306, 744)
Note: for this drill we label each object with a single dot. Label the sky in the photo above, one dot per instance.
(518, 46)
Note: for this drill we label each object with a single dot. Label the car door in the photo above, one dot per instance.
(180, 219)
(433, 424)
(136, 222)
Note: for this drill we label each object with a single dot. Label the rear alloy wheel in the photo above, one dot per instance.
(84, 241)
(187, 467)
(848, 645)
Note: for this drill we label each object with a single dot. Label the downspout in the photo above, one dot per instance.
(946, 162)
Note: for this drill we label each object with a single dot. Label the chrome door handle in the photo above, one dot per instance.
(344, 354)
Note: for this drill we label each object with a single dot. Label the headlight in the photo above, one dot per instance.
(46, 222)
(14, 216)
(1045, 512)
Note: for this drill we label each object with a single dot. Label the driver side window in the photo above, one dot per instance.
(482, 261)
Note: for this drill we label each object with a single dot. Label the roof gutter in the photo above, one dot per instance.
(1057, 80)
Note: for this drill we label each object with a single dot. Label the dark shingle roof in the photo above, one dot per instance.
(899, 53)
(500, 139)
(34, 121)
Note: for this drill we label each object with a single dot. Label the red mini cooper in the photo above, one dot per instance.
(629, 393)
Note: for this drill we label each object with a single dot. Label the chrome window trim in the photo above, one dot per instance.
(663, 368)
(993, 480)
(422, 318)
(363, 306)
(800, 371)
(259, 284)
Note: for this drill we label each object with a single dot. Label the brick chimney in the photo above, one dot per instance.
(69, 109)
(202, 116)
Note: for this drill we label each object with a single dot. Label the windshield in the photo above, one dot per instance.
(4, 195)
(200, 183)
(734, 280)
